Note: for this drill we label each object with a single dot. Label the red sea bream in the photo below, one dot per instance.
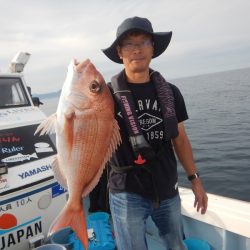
(86, 136)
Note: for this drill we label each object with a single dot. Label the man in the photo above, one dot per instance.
(150, 113)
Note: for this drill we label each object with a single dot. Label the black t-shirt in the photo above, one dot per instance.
(148, 112)
(151, 122)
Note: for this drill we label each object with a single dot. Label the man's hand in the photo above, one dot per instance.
(201, 199)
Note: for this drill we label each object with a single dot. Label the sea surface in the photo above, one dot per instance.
(218, 127)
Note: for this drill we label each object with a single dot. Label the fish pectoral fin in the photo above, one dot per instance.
(47, 126)
(116, 138)
(73, 219)
(59, 175)
(114, 143)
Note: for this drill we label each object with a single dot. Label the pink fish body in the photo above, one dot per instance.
(86, 136)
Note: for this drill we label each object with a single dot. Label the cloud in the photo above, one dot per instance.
(208, 36)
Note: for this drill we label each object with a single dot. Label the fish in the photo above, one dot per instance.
(19, 157)
(87, 134)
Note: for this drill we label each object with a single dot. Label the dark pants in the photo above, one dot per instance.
(99, 197)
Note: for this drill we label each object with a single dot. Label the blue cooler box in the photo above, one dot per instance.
(99, 232)
(196, 244)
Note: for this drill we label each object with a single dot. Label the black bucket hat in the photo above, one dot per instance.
(161, 39)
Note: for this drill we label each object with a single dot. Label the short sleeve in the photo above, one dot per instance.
(180, 106)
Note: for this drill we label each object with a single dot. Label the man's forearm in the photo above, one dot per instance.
(184, 153)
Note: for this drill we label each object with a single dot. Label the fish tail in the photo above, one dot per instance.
(73, 219)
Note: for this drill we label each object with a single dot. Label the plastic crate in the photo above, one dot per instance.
(196, 244)
(102, 237)
(100, 234)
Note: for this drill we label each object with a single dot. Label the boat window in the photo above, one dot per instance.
(12, 93)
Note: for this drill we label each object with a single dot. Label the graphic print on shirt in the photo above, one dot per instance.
(148, 121)
(149, 117)
(148, 110)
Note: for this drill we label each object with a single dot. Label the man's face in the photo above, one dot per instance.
(136, 51)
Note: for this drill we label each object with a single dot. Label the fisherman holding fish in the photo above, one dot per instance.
(150, 112)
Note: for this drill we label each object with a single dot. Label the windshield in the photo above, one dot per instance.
(12, 93)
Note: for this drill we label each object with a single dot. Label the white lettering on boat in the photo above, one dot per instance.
(34, 171)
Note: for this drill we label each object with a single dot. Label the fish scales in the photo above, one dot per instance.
(88, 138)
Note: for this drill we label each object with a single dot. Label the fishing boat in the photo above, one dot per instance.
(30, 197)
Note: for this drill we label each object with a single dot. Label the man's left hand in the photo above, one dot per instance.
(201, 199)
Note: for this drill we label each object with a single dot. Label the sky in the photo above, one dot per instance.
(208, 35)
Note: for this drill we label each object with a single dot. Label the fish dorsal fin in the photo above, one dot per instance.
(114, 143)
(59, 175)
(48, 126)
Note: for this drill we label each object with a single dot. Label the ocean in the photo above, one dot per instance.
(218, 127)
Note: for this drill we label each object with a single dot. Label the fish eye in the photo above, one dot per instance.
(95, 87)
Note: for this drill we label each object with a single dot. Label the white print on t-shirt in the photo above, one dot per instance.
(149, 116)
(155, 135)
(147, 104)
(148, 121)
